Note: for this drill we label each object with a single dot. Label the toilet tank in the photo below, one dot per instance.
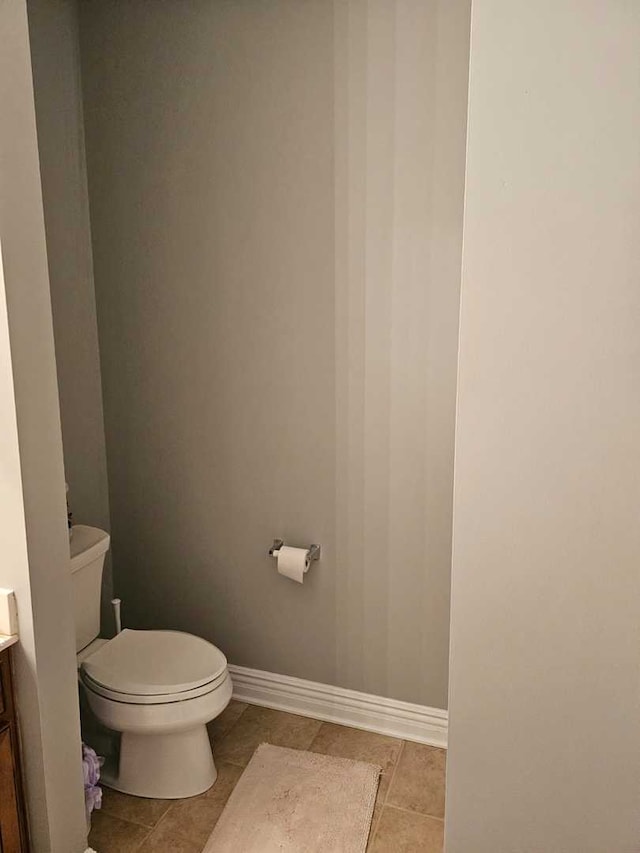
(88, 547)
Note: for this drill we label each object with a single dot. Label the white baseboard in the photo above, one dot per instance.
(338, 705)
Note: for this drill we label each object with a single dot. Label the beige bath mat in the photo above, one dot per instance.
(292, 801)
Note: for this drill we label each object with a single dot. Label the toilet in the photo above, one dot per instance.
(156, 690)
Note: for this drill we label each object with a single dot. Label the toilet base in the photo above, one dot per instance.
(163, 766)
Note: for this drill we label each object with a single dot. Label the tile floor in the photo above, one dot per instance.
(408, 816)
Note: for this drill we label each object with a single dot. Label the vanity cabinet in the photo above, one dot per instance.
(13, 835)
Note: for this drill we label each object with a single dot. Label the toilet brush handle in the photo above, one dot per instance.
(116, 614)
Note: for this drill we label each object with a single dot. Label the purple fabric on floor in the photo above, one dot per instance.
(92, 798)
(91, 764)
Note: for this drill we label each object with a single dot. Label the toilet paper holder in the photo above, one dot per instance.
(313, 551)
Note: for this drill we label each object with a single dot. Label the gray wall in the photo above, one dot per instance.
(544, 741)
(53, 29)
(35, 544)
(276, 203)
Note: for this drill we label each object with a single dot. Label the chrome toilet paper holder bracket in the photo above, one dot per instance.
(313, 551)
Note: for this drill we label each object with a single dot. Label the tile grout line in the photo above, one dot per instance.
(224, 736)
(177, 832)
(145, 839)
(234, 723)
(136, 822)
(316, 735)
(128, 822)
(153, 829)
(395, 770)
(413, 812)
(374, 829)
(403, 808)
(234, 763)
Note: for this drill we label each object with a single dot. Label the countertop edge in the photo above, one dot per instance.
(7, 640)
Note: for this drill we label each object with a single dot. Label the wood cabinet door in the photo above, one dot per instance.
(9, 815)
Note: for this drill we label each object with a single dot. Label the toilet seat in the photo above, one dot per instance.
(155, 699)
(154, 667)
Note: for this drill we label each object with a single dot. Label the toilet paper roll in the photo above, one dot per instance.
(292, 562)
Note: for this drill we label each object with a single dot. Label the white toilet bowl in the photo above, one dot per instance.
(159, 689)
